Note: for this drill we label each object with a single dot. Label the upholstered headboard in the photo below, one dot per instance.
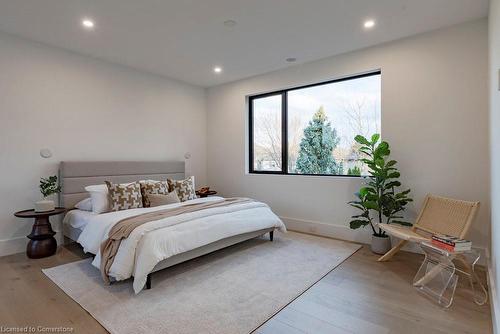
(74, 176)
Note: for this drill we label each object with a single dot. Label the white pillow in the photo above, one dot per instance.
(84, 204)
(97, 188)
(99, 197)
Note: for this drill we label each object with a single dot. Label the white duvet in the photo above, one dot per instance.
(158, 240)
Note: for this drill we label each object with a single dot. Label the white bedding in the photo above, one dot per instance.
(147, 245)
(78, 218)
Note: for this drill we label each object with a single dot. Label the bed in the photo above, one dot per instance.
(149, 250)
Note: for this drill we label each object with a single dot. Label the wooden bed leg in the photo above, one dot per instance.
(271, 235)
(148, 282)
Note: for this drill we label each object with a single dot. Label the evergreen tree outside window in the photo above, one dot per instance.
(316, 147)
(316, 126)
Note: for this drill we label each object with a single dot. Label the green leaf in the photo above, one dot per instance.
(370, 205)
(365, 191)
(365, 149)
(382, 150)
(393, 184)
(393, 175)
(403, 195)
(357, 206)
(391, 163)
(362, 140)
(357, 223)
(375, 138)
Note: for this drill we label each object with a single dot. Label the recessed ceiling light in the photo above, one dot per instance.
(217, 69)
(230, 23)
(87, 23)
(291, 60)
(369, 24)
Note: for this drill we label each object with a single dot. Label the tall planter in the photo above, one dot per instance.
(380, 244)
(378, 199)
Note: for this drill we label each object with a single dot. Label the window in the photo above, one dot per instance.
(310, 130)
(267, 134)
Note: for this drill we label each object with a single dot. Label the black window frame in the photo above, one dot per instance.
(284, 125)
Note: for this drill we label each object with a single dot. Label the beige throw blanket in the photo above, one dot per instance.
(124, 227)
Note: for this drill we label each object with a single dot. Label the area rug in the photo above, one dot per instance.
(233, 290)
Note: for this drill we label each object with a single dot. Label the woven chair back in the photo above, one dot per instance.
(446, 216)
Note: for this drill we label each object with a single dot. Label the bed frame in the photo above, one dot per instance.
(74, 176)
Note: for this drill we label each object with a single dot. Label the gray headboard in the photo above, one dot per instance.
(74, 176)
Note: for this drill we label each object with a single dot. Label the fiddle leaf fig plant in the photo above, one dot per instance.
(379, 200)
(49, 186)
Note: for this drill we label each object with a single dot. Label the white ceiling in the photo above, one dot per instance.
(185, 39)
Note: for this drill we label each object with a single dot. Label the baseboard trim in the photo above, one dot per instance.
(336, 231)
(343, 232)
(18, 244)
(12, 246)
(492, 294)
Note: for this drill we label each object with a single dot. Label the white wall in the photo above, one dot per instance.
(494, 39)
(84, 109)
(434, 113)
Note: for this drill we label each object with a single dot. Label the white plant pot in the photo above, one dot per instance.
(380, 245)
(45, 205)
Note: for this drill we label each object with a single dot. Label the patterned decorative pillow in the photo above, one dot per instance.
(152, 188)
(124, 196)
(185, 188)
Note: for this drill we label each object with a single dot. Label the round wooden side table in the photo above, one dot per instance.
(42, 242)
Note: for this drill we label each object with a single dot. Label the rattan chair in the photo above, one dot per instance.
(439, 215)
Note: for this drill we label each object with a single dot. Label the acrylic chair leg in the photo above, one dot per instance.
(474, 278)
(429, 276)
(387, 256)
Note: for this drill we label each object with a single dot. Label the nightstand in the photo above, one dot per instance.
(42, 242)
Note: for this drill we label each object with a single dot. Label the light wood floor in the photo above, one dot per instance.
(359, 296)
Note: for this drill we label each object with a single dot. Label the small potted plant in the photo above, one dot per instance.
(48, 186)
(379, 200)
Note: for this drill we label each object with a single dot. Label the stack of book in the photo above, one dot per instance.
(451, 244)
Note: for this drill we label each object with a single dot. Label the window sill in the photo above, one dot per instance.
(307, 175)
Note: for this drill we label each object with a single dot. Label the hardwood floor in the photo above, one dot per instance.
(366, 296)
(359, 296)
